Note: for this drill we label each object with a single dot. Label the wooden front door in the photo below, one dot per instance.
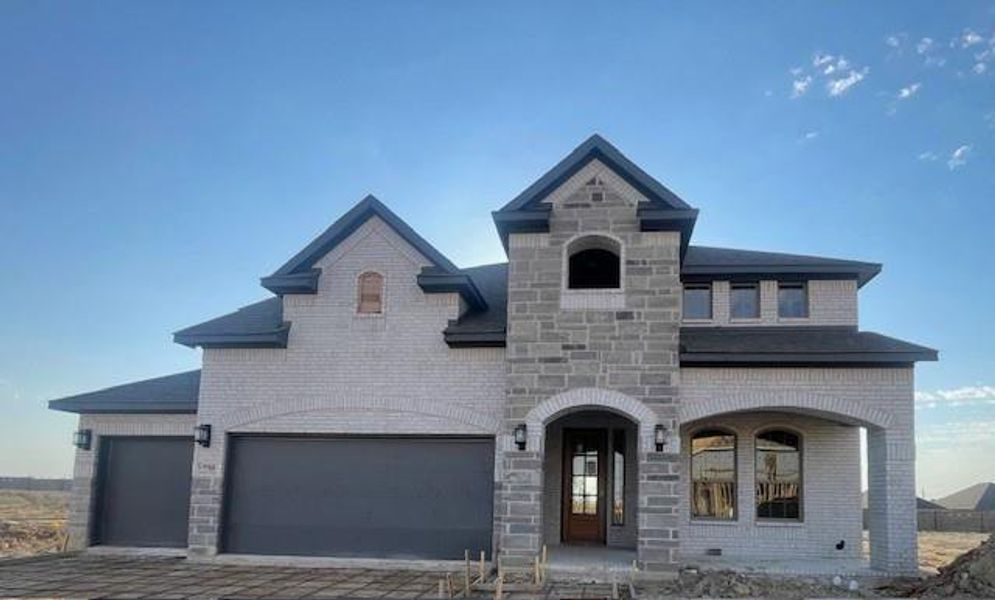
(584, 485)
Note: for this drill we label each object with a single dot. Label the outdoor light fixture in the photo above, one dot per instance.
(83, 439)
(659, 436)
(202, 433)
(520, 436)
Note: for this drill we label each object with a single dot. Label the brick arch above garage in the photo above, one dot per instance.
(415, 415)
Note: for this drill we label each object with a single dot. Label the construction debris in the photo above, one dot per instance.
(970, 574)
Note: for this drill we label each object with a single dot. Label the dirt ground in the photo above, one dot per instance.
(31, 523)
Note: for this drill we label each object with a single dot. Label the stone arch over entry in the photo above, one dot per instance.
(814, 405)
(591, 399)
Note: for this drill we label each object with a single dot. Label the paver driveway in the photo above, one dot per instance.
(83, 576)
(107, 577)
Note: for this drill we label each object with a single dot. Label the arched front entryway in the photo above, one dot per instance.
(590, 455)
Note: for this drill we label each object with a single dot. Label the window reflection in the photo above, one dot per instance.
(713, 475)
(778, 475)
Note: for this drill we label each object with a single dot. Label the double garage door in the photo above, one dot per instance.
(384, 497)
(407, 497)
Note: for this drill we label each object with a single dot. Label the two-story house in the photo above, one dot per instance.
(611, 386)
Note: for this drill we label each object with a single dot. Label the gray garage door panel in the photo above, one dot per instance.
(143, 495)
(359, 496)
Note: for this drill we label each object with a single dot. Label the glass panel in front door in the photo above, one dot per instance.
(584, 477)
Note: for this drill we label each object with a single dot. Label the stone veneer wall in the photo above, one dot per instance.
(85, 466)
(624, 341)
(347, 373)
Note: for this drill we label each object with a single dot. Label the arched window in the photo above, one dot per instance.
(594, 264)
(713, 475)
(370, 292)
(778, 475)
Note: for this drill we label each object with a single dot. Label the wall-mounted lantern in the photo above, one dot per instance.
(660, 437)
(83, 439)
(202, 433)
(521, 436)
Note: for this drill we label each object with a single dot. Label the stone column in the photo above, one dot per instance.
(892, 500)
(519, 514)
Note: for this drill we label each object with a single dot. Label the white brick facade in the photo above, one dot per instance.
(830, 302)
(570, 354)
(348, 373)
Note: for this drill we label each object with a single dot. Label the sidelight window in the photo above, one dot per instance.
(618, 478)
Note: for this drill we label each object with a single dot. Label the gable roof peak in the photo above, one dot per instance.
(298, 274)
(597, 147)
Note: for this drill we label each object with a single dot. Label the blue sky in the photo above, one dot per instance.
(156, 159)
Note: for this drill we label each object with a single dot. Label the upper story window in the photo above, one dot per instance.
(713, 475)
(778, 475)
(744, 301)
(370, 294)
(697, 301)
(594, 263)
(792, 300)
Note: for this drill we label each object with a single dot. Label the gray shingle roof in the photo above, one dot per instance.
(795, 345)
(170, 394)
(706, 261)
(980, 496)
(258, 325)
(484, 327)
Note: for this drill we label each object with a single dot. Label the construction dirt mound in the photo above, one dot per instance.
(970, 574)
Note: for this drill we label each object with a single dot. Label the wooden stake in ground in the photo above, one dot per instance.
(499, 589)
(442, 589)
(466, 573)
(449, 584)
(483, 576)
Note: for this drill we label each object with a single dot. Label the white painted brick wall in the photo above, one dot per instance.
(830, 494)
(881, 399)
(831, 302)
(348, 373)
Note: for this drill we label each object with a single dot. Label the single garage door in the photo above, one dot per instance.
(143, 491)
(384, 497)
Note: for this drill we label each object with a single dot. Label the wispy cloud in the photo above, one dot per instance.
(927, 156)
(909, 90)
(838, 87)
(965, 395)
(970, 38)
(925, 45)
(958, 158)
(800, 86)
(809, 136)
(836, 72)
